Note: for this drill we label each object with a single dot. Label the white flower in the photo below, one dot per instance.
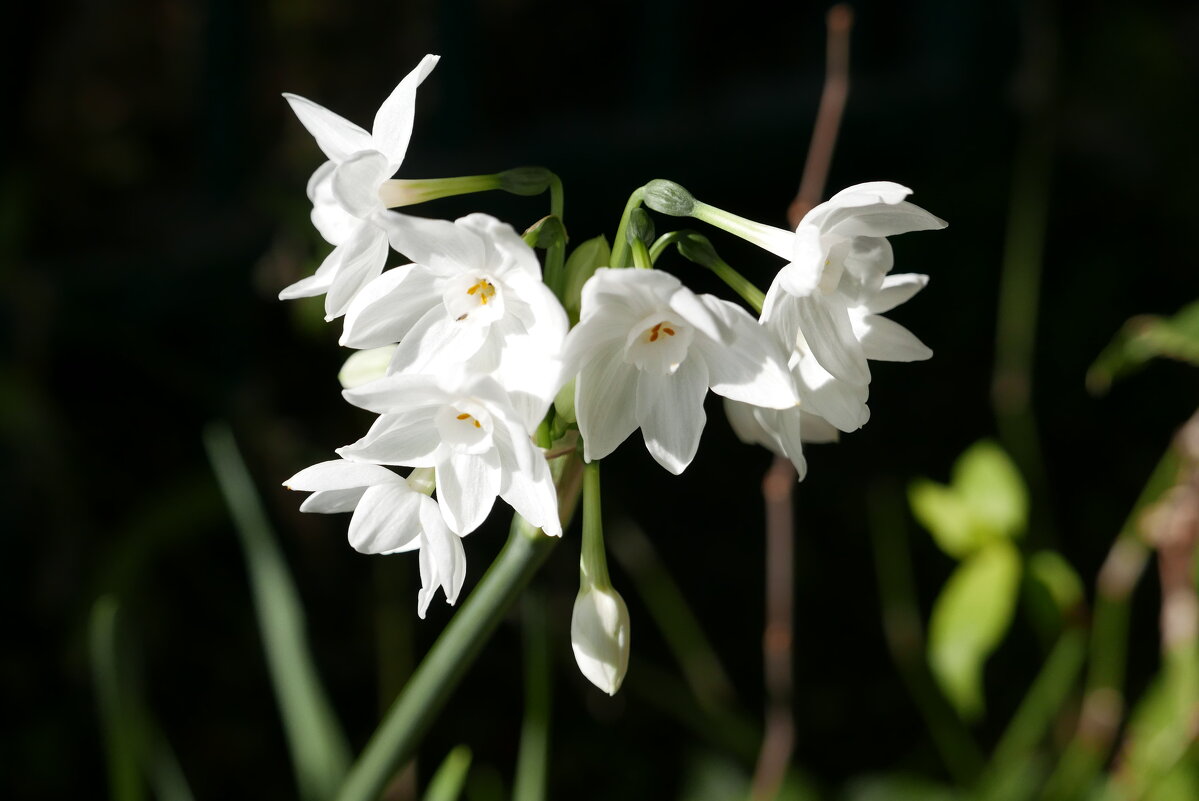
(645, 352)
(468, 431)
(389, 517)
(345, 190)
(599, 636)
(473, 299)
(825, 303)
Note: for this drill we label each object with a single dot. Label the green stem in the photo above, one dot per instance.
(775, 240)
(447, 661)
(620, 245)
(593, 566)
(1103, 700)
(533, 758)
(555, 256)
(739, 284)
(1044, 700)
(641, 259)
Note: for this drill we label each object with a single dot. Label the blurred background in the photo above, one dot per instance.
(152, 206)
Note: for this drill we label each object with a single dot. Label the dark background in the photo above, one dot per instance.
(152, 205)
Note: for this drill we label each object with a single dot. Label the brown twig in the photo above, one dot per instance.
(778, 486)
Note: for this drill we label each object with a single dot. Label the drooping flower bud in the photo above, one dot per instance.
(668, 197)
(599, 635)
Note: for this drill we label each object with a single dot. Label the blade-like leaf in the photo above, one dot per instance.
(447, 782)
(320, 755)
(969, 619)
(1143, 338)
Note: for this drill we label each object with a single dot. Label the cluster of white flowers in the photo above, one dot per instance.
(472, 347)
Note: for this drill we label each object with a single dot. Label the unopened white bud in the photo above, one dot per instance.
(365, 366)
(599, 634)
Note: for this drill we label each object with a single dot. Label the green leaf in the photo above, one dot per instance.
(1143, 338)
(987, 480)
(947, 516)
(970, 617)
(584, 260)
(1057, 577)
(447, 782)
(319, 751)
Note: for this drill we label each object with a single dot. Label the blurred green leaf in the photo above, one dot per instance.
(319, 752)
(988, 481)
(1055, 575)
(986, 500)
(898, 787)
(447, 782)
(117, 717)
(138, 753)
(1143, 338)
(970, 617)
(947, 517)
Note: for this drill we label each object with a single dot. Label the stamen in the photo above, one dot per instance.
(465, 416)
(660, 327)
(484, 288)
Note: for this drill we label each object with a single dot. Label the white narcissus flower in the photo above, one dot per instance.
(467, 429)
(389, 517)
(599, 636)
(471, 300)
(825, 303)
(345, 191)
(645, 352)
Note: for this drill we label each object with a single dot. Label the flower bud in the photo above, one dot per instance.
(668, 198)
(696, 248)
(365, 366)
(599, 635)
(525, 180)
(641, 227)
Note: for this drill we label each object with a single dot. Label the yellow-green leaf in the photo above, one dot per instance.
(989, 483)
(969, 619)
(947, 516)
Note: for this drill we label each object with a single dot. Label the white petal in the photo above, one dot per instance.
(887, 341)
(365, 255)
(392, 128)
(319, 282)
(896, 289)
(338, 474)
(386, 520)
(802, 276)
(530, 491)
(399, 393)
(436, 343)
(816, 429)
(356, 183)
(882, 219)
(466, 488)
(402, 439)
(442, 558)
(385, 309)
(505, 247)
(827, 328)
(333, 222)
(439, 245)
(670, 411)
(599, 637)
(868, 193)
(333, 501)
(751, 366)
(840, 403)
(337, 138)
(605, 398)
